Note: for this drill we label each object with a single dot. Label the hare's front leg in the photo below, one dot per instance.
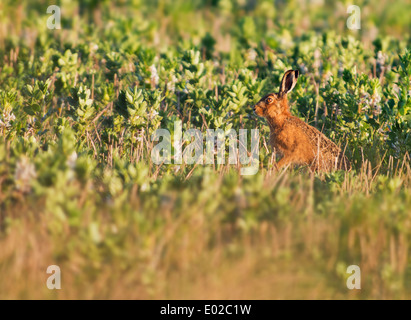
(283, 162)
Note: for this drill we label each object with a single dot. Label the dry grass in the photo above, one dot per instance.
(196, 251)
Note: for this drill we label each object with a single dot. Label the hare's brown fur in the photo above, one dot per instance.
(299, 142)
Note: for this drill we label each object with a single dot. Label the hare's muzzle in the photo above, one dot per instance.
(254, 110)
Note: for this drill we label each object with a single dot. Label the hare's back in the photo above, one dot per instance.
(317, 139)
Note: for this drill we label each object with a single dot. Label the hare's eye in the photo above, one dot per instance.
(269, 100)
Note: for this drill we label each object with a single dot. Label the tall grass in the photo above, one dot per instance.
(215, 235)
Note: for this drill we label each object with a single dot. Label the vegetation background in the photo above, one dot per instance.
(78, 189)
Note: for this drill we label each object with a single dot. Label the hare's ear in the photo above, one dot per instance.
(289, 81)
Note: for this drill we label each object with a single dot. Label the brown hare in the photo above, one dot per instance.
(299, 142)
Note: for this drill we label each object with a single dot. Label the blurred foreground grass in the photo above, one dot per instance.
(216, 236)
